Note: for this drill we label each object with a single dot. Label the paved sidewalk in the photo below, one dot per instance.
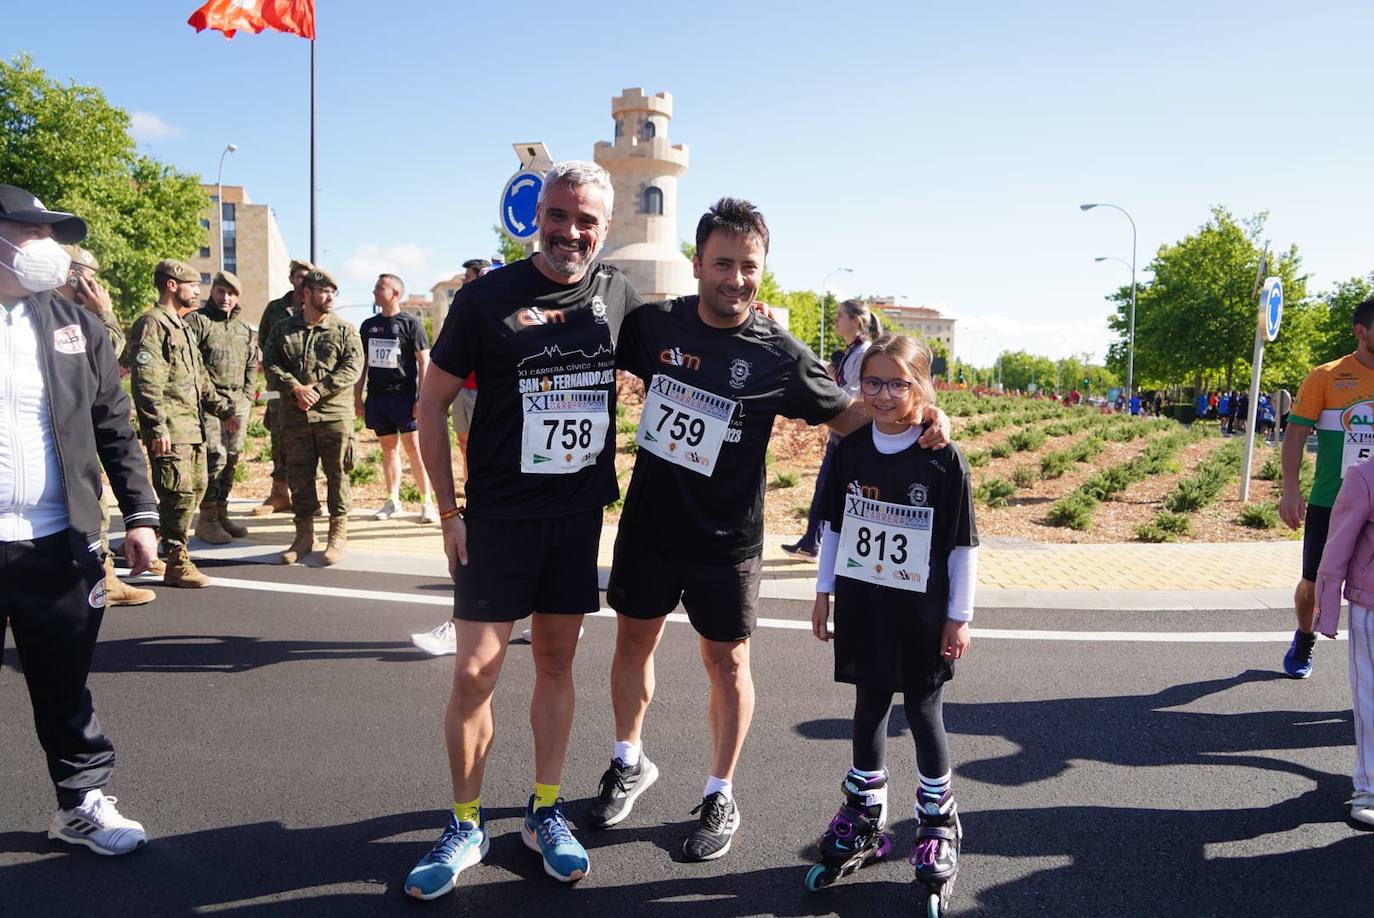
(1012, 573)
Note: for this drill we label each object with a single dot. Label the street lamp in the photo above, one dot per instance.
(219, 199)
(826, 283)
(1130, 340)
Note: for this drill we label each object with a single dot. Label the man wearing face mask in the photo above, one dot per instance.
(171, 392)
(283, 307)
(63, 416)
(83, 289)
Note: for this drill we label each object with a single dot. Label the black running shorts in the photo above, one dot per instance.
(720, 599)
(1314, 530)
(517, 567)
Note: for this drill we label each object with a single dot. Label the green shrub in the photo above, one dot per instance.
(626, 426)
(1173, 522)
(240, 473)
(994, 491)
(256, 430)
(410, 493)
(363, 473)
(1025, 475)
(1087, 450)
(1000, 450)
(1028, 439)
(1074, 511)
(1054, 465)
(1259, 516)
(977, 458)
(786, 479)
(1271, 469)
(1150, 532)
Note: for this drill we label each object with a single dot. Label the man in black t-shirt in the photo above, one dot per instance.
(540, 335)
(396, 350)
(717, 373)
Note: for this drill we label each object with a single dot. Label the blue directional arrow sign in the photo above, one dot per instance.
(518, 200)
(1271, 307)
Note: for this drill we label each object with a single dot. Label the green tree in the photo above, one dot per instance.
(1020, 369)
(1195, 320)
(510, 249)
(1332, 313)
(71, 147)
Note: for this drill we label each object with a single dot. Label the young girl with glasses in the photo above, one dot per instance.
(899, 551)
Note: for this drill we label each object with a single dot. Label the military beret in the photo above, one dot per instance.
(319, 277)
(82, 257)
(228, 279)
(297, 264)
(176, 270)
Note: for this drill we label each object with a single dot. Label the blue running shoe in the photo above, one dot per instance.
(1297, 663)
(546, 831)
(462, 845)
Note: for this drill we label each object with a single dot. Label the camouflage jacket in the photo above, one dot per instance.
(228, 349)
(283, 307)
(327, 355)
(168, 381)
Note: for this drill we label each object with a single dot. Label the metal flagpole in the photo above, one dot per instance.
(313, 259)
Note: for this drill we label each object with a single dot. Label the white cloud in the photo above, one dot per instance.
(145, 127)
(409, 261)
(980, 338)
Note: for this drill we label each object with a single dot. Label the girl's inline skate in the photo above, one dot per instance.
(936, 858)
(855, 836)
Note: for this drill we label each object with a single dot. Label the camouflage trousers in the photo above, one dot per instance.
(222, 454)
(327, 445)
(179, 480)
(272, 421)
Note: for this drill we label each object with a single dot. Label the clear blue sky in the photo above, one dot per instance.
(940, 150)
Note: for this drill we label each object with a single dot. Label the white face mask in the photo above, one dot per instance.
(40, 265)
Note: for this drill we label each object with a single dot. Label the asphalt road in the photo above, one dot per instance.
(284, 751)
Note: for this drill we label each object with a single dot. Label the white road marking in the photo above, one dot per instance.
(788, 624)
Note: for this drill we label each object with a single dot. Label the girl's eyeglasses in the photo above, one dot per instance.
(898, 388)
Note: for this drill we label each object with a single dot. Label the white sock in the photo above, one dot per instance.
(628, 753)
(931, 789)
(716, 785)
(395, 496)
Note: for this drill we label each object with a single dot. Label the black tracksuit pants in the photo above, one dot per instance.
(46, 591)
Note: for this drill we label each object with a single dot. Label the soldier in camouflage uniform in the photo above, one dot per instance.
(83, 289)
(171, 390)
(228, 348)
(313, 359)
(282, 307)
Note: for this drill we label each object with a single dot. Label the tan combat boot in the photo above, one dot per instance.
(276, 502)
(233, 527)
(338, 540)
(181, 572)
(119, 593)
(304, 543)
(208, 528)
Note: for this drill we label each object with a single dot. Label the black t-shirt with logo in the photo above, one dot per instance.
(389, 346)
(718, 519)
(544, 355)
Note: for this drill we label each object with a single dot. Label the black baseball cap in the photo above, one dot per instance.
(18, 206)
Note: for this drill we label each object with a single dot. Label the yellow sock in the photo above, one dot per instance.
(469, 812)
(545, 795)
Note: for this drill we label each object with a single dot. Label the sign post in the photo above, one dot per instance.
(520, 196)
(1270, 317)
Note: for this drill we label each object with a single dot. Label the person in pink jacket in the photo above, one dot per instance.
(1349, 559)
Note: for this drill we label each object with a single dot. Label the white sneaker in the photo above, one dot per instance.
(96, 824)
(429, 513)
(528, 634)
(387, 510)
(442, 641)
(1362, 808)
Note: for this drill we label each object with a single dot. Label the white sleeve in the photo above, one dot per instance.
(963, 579)
(830, 549)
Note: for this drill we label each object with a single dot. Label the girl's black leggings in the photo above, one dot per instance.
(925, 713)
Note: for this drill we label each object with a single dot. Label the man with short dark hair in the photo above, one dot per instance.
(63, 417)
(229, 349)
(396, 352)
(313, 359)
(283, 307)
(717, 373)
(1337, 399)
(171, 393)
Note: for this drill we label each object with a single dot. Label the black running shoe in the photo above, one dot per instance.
(621, 785)
(711, 838)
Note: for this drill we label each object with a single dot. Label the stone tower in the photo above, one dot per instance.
(644, 169)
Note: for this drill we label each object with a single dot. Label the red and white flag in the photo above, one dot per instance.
(296, 17)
